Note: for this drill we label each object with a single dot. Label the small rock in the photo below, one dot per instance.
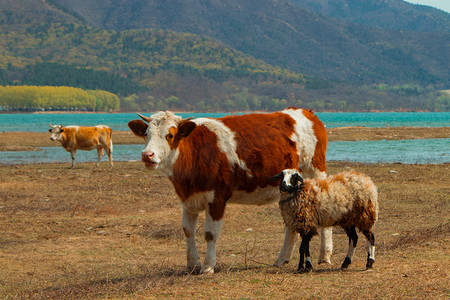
(249, 229)
(394, 172)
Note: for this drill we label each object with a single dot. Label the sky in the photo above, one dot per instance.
(441, 4)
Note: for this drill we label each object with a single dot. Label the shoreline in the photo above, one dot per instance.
(29, 141)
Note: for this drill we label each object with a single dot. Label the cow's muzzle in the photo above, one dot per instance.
(148, 158)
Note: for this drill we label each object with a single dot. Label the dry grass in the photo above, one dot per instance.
(100, 233)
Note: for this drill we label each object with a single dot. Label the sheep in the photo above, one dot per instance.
(347, 199)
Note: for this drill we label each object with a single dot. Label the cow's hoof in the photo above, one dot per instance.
(207, 270)
(280, 264)
(324, 261)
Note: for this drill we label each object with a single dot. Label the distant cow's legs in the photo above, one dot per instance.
(212, 232)
(99, 155)
(108, 150)
(73, 154)
(285, 253)
(189, 221)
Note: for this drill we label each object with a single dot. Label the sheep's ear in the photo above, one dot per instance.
(276, 177)
(298, 178)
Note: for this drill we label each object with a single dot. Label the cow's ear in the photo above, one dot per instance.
(138, 127)
(50, 130)
(185, 128)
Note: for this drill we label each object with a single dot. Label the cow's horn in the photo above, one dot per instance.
(50, 125)
(146, 119)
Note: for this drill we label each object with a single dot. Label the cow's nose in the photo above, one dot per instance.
(147, 155)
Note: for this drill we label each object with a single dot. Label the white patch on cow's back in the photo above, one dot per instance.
(102, 126)
(259, 196)
(305, 139)
(226, 141)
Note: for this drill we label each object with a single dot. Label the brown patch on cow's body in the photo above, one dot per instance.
(265, 146)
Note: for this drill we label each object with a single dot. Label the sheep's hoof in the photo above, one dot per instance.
(369, 264)
(306, 269)
(346, 263)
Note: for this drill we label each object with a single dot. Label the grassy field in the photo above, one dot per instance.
(107, 234)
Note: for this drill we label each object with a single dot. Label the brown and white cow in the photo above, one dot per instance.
(213, 162)
(74, 138)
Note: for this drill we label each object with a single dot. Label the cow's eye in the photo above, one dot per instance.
(169, 136)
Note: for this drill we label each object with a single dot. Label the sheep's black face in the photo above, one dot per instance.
(291, 182)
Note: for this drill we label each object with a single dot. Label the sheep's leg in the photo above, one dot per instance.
(352, 241)
(304, 253)
(370, 248)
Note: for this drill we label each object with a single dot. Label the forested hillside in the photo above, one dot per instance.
(392, 15)
(285, 34)
(47, 44)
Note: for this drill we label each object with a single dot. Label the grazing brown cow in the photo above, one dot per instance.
(213, 162)
(74, 138)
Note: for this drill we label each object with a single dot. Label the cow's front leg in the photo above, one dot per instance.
(189, 221)
(73, 154)
(290, 237)
(212, 232)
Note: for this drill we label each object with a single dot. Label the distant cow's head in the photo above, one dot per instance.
(162, 133)
(56, 131)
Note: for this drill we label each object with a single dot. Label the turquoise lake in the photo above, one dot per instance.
(430, 151)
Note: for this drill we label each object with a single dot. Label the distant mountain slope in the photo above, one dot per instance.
(392, 14)
(282, 33)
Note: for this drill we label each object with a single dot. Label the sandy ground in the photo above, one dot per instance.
(28, 141)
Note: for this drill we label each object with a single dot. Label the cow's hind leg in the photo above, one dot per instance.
(352, 241)
(189, 221)
(99, 155)
(108, 150)
(326, 245)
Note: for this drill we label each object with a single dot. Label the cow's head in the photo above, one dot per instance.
(56, 131)
(291, 181)
(162, 132)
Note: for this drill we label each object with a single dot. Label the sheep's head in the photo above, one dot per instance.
(291, 181)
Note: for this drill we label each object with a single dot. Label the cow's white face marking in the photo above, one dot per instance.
(156, 142)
